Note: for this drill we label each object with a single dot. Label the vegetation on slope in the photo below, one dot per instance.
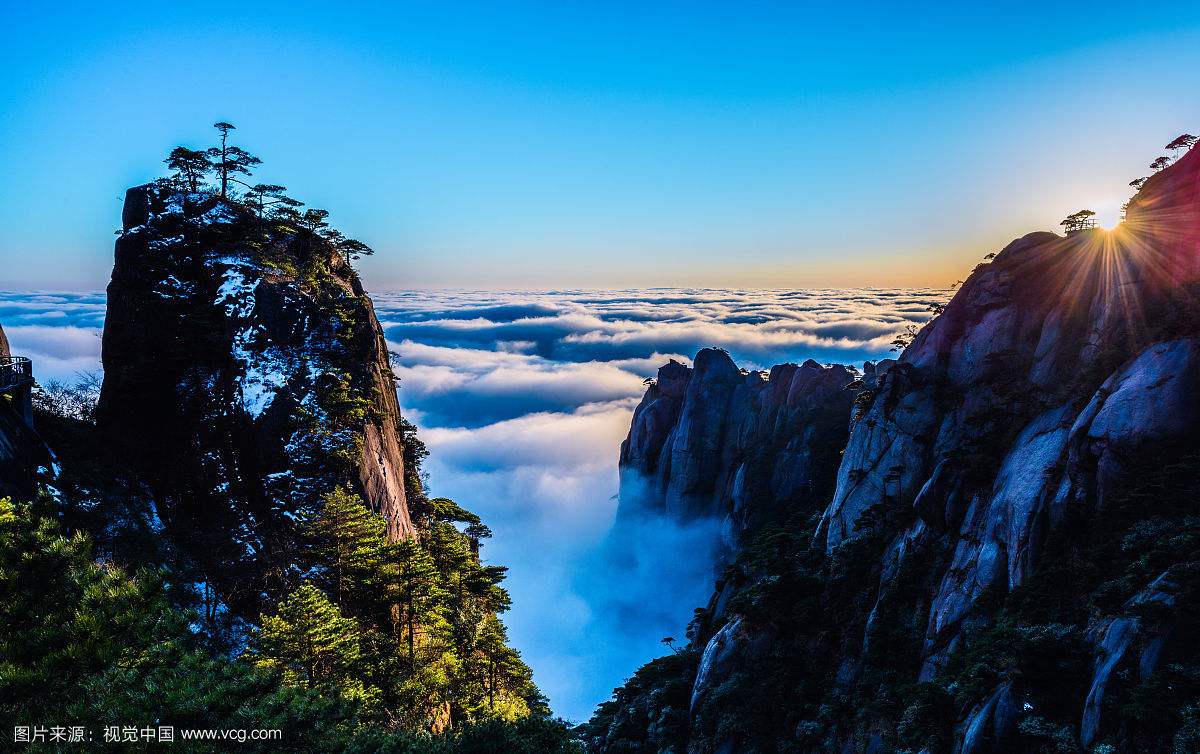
(849, 674)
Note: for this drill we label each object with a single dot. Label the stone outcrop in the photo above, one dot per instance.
(713, 441)
(1052, 367)
(246, 375)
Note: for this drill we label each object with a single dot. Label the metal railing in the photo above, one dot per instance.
(15, 372)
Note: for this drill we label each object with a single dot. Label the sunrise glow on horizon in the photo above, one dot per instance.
(538, 147)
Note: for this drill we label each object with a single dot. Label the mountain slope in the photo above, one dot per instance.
(254, 493)
(1005, 561)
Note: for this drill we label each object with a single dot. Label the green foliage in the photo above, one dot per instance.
(1093, 564)
(415, 453)
(845, 678)
(87, 643)
(313, 645)
(427, 643)
(649, 712)
(348, 540)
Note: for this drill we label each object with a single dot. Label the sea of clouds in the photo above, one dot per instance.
(523, 398)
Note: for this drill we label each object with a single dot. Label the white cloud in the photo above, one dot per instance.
(523, 399)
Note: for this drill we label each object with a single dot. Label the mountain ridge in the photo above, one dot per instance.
(1004, 437)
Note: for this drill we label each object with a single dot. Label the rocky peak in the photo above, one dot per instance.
(247, 375)
(713, 441)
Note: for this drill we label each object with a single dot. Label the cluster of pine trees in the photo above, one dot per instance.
(409, 630)
(217, 172)
(382, 646)
(83, 642)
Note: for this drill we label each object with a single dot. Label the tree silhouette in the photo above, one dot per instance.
(229, 160)
(313, 220)
(268, 203)
(1081, 220)
(1137, 183)
(190, 166)
(904, 339)
(264, 196)
(1160, 163)
(349, 248)
(1183, 141)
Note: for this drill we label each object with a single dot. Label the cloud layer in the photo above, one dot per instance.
(523, 399)
(59, 331)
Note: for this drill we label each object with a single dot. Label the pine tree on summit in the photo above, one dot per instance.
(190, 166)
(313, 220)
(266, 197)
(228, 160)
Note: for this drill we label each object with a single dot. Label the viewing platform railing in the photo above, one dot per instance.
(15, 372)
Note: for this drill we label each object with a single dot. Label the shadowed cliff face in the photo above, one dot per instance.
(245, 375)
(716, 442)
(991, 506)
(1051, 369)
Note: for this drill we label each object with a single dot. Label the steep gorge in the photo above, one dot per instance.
(1000, 555)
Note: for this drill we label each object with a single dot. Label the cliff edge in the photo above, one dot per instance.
(245, 376)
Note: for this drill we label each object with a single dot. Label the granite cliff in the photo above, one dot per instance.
(985, 546)
(740, 447)
(245, 376)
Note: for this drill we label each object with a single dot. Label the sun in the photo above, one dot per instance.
(1108, 218)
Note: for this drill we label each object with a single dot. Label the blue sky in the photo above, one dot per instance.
(538, 145)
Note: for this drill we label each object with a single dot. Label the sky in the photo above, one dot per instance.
(523, 398)
(533, 145)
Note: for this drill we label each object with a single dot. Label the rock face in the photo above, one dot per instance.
(246, 375)
(714, 441)
(1058, 385)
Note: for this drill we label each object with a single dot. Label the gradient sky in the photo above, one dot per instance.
(567, 144)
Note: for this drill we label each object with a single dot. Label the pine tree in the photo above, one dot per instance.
(230, 160)
(266, 197)
(89, 643)
(350, 544)
(314, 220)
(418, 594)
(190, 166)
(313, 645)
(502, 672)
